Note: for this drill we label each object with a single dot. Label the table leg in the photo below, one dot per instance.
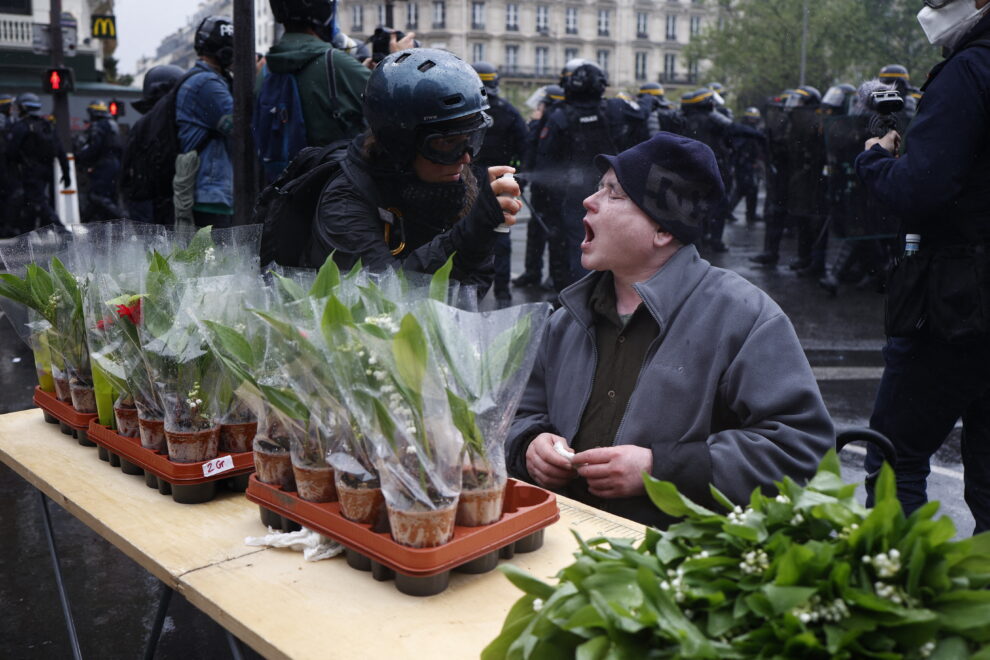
(63, 597)
(156, 630)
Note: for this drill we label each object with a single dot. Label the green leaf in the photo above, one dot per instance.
(440, 282)
(526, 582)
(327, 279)
(335, 315)
(233, 343)
(595, 648)
(17, 290)
(410, 350)
(668, 499)
(286, 401)
(293, 291)
(963, 610)
(784, 599)
(465, 421)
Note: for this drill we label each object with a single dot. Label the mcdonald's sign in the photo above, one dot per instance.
(104, 27)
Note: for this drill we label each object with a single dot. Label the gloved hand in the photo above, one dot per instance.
(66, 180)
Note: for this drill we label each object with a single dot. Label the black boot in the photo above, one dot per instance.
(843, 257)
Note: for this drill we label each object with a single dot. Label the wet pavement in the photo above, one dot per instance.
(114, 599)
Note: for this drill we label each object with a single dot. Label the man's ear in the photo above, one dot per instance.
(662, 238)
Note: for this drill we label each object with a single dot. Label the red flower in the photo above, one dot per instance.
(103, 324)
(133, 312)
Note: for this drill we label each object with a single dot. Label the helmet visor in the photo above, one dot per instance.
(448, 147)
(937, 4)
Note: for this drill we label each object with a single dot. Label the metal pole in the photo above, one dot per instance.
(242, 142)
(60, 99)
(63, 595)
(804, 41)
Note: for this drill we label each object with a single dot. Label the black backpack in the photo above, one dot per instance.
(287, 206)
(39, 144)
(148, 165)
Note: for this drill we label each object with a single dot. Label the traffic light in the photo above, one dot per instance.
(116, 108)
(59, 81)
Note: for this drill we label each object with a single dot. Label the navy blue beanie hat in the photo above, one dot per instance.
(673, 179)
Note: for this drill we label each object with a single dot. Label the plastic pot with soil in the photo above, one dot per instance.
(193, 446)
(314, 476)
(126, 415)
(482, 492)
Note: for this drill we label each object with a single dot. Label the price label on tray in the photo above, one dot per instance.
(218, 465)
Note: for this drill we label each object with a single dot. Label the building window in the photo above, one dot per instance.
(15, 7)
(571, 20)
(671, 27)
(669, 66)
(603, 22)
(439, 15)
(477, 16)
(642, 24)
(512, 58)
(570, 54)
(357, 18)
(412, 16)
(512, 18)
(477, 52)
(602, 58)
(542, 60)
(641, 65)
(695, 25)
(542, 19)
(693, 71)
(382, 19)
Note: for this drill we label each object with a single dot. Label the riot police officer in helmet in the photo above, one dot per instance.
(32, 148)
(406, 194)
(703, 123)
(747, 144)
(583, 125)
(505, 144)
(100, 156)
(7, 186)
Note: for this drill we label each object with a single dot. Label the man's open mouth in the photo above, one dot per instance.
(589, 233)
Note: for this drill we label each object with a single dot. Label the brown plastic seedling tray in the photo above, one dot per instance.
(526, 511)
(71, 421)
(185, 482)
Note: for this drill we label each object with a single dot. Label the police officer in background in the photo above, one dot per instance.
(661, 115)
(937, 355)
(778, 176)
(32, 148)
(898, 76)
(144, 205)
(505, 144)
(719, 92)
(6, 180)
(578, 129)
(536, 229)
(748, 146)
(100, 157)
(806, 185)
(703, 123)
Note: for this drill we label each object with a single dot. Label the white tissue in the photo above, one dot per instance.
(313, 545)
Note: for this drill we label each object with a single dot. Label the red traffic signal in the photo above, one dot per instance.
(116, 108)
(58, 81)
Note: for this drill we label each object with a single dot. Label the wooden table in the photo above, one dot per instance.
(272, 599)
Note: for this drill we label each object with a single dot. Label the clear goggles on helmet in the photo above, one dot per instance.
(937, 4)
(448, 147)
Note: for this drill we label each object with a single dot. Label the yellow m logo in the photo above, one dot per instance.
(104, 27)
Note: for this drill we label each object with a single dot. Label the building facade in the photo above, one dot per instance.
(634, 41)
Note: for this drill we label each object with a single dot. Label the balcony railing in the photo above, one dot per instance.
(15, 31)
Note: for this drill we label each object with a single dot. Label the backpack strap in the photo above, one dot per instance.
(332, 83)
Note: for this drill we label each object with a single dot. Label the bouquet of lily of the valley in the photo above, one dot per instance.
(485, 359)
(807, 573)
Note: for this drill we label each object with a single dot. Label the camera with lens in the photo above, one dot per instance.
(380, 42)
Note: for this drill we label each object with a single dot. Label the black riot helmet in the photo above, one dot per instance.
(426, 101)
(489, 76)
(583, 80)
(316, 14)
(838, 98)
(157, 83)
(6, 104)
(29, 104)
(804, 96)
(896, 75)
(552, 94)
(751, 115)
(651, 89)
(700, 100)
(215, 37)
(98, 109)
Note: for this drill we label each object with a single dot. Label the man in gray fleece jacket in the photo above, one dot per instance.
(659, 362)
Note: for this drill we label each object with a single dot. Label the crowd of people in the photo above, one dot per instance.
(656, 361)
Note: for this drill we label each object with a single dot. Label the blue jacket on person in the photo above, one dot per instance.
(940, 188)
(204, 110)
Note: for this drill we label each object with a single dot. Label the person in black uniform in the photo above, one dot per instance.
(578, 129)
(406, 194)
(505, 144)
(748, 148)
(536, 229)
(937, 356)
(661, 113)
(100, 156)
(7, 186)
(703, 123)
(32, 148)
